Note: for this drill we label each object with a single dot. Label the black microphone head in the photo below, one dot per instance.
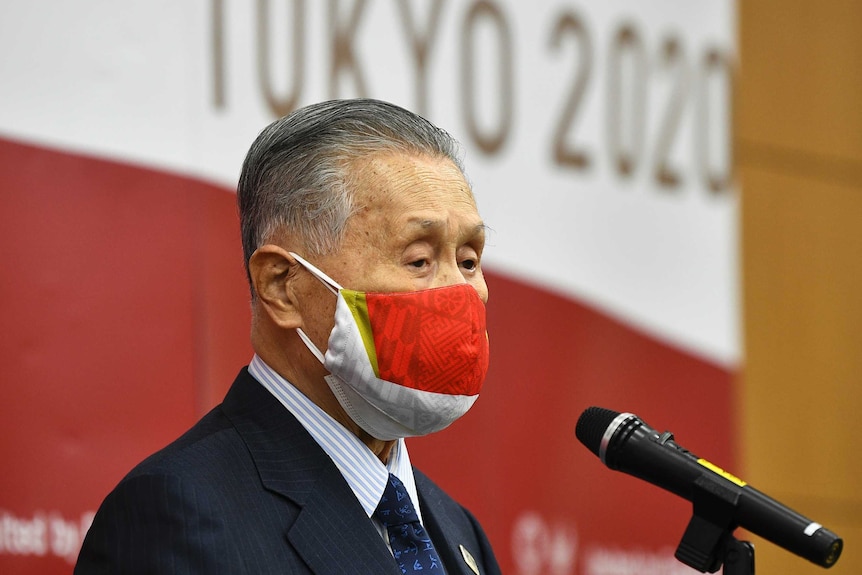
(592, 425)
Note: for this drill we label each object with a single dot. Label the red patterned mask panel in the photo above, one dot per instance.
(432, 340)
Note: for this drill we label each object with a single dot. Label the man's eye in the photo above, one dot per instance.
(469, 264)
(419, 263)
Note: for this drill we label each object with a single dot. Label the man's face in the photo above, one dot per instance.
(415, 227)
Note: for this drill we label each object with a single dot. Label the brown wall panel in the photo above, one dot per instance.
(801, 393)
(801, 80)
(799, 149)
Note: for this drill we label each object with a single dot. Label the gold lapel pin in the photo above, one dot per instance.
(468, 559)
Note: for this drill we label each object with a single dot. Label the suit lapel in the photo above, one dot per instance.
(447, 535)
(331, 532)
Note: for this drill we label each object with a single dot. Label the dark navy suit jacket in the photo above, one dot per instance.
(248, 490)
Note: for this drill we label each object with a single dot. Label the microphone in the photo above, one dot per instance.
(721, 501)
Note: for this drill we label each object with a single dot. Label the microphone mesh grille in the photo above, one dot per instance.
(591, 427)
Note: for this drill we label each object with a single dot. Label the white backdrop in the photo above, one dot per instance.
(184, 86)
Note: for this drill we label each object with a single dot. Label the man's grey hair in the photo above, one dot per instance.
(297, 177)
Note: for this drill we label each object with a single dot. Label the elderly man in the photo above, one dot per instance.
(362, 244)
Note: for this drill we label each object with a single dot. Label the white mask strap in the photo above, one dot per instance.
(311, 347)
(330, 283)
(332, 286)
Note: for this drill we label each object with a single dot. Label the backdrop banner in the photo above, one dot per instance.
(596, 137)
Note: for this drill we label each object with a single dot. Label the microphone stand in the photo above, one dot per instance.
(708, 542)
(738, 558)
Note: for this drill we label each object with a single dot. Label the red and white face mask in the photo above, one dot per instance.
(405, 363)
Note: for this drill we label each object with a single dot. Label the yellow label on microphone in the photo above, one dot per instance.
(722, 472)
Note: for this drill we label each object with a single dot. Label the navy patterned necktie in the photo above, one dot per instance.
(411, 544)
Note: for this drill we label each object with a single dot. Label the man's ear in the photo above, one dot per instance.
(272, 270)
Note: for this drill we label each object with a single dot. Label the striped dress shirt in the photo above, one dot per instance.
(364, 472)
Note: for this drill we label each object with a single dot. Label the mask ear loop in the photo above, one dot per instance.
(311, 347)
(330, 283)
(332, 286)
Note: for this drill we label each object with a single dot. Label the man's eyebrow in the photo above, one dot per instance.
(478, 230)
(427, 224)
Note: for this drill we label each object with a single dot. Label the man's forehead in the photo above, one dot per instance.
(410, 190)
(387, 169)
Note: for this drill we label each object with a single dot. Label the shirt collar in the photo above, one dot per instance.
(364, 472)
